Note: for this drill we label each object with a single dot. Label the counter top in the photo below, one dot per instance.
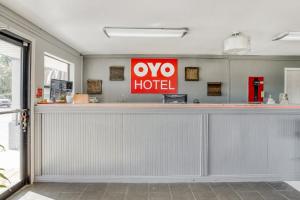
(162, 105)
(120, 107)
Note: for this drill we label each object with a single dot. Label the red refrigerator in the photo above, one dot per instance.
(256, 89)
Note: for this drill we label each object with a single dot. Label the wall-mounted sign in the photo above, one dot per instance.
(153, 76)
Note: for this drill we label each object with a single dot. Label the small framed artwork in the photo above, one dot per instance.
(191, 73)
(214, 89)
(94, 86)
(116, 73)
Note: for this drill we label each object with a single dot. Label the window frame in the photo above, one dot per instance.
(60, 60)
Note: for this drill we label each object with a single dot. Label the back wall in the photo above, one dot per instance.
(232, 71)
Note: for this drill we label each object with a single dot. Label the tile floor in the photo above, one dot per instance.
(174, 191)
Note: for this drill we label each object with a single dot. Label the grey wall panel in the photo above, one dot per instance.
(167, 145)
(211, 70)
(238, 144)
(114, 91)
(273, 71)
(243, 144)
(98, 144)
(162, 145)
(79, 144)
(284, 145)
(233, 73)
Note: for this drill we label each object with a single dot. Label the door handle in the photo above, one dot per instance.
(24, 120)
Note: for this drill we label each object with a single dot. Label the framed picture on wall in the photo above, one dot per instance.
(191, 73)
(214, 89)
(116, 73)
(94, 86)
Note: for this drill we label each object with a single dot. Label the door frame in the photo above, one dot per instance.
(285, 76)
(25, 104)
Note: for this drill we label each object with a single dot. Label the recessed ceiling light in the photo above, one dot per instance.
(288, 36)
(145, 32)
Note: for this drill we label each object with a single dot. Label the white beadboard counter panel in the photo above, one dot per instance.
(167, 143)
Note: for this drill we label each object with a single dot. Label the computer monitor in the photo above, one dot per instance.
(60, 88)
(175, 98)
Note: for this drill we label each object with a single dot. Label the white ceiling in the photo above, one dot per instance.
(79, 23)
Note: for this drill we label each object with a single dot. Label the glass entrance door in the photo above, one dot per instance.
(14, 76)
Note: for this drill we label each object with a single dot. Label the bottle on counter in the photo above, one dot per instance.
(69, 98)
(283, 98)
(270, 100)
(39, 96)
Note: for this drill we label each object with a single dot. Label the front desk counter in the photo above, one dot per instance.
(167, 143)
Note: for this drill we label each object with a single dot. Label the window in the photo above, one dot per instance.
(54, 69)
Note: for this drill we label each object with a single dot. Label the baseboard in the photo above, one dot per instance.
(164, 179)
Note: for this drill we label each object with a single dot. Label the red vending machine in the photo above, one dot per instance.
(256, 89)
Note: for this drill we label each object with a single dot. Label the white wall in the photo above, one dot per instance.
(233, 72)
(42, 42)
(272, 70)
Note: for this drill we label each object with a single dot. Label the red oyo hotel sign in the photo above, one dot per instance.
(154, 75)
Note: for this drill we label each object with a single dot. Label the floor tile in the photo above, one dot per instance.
(250, 195)
(117, 187)
(68, 196)
(91, 195)
(75, 187)
(137, 196)
(198, 187)
(113, 196)
(38, 187)
(179, 188)
(138, 188)
(242, 186)
(159, 196)
(94, 187)
(281, 186)
(50, 187)
(29, 195)
(272, 195)
(174, 191)
(260, 186)
(228, 195)
(205, 195)
(183, 196)
(160, 187)
(220, 187)
(291, 195)
(63, 187)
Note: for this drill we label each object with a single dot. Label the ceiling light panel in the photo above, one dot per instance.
(145, 32)
(288, 36)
